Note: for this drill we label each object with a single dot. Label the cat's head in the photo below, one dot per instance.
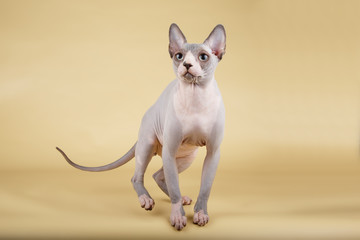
(196, 63)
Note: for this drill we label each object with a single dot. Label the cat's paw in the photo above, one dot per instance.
(200, 218)
(186, 200)
(177, 216)
(146, 202)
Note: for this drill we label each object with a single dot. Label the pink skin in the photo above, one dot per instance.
(186, 200)
(200, 218)
(146, 202)
(177, 219)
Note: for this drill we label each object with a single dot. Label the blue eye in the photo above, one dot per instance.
(203, 57)
(179, 56)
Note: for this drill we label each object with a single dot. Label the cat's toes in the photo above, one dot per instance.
(200, 218)
(177, 216)
(146, 202)
(178, 221)
(186, 200)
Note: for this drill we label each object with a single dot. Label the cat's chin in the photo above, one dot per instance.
(188, 77)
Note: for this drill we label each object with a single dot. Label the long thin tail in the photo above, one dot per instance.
(121, 161)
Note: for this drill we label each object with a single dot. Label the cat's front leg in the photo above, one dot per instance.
(201, 216)
(172, 141)
(177, 216)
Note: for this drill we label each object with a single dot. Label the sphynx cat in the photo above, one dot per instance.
(187, 115)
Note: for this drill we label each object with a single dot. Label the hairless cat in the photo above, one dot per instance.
(188, 114)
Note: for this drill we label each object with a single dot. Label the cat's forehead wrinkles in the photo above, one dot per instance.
(194, 48)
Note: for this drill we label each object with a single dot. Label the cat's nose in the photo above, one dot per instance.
(187, 65)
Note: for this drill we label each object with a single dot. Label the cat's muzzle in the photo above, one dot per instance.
(191, 78)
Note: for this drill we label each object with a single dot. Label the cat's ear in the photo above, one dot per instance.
(177, 39)
(217, 41)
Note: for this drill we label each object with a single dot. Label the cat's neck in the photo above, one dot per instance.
(195, 97)
(202, 84)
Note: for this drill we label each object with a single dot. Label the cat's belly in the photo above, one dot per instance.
(185, 149)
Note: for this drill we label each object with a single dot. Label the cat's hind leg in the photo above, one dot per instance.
(182, 164)
(160, 180)
(143, 153)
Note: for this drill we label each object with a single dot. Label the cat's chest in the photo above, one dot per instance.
(197, 111)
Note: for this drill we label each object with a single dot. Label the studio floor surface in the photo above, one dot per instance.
(78, 205)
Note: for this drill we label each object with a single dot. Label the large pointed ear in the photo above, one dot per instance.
(177, 39)
(217, 41)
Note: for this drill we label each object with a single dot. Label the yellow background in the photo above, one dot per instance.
(80, 75)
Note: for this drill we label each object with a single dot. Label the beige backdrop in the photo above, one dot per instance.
(80, 75)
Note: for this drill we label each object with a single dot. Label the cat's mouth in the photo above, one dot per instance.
(190, 77)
